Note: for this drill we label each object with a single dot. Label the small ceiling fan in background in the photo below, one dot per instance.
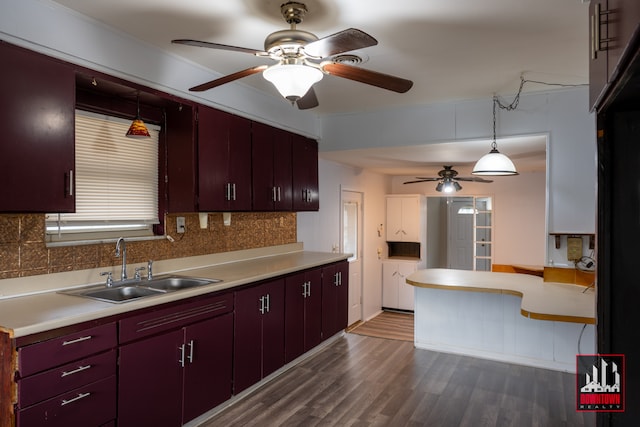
(448, 180)
(302, 60)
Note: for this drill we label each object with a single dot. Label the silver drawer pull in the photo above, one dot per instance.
(75, 371)
(78, 397)
(88, 337)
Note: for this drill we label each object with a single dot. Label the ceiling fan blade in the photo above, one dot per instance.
(384, 81)
(424, 178)
(417, 181)
(472, 179)
(228, 78)
(218, 46)
(309, 100)
(343, 41)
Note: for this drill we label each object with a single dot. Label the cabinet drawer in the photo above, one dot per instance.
(90, 405)
(48, 354)
(50, 383)
(165, 319)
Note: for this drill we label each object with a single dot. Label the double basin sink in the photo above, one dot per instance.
(135, 289)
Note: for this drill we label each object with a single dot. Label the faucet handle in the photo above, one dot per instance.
(137, 273)
(109, 278)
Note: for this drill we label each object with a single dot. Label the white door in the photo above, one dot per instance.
(460, 234)
(405, 290)
(352, 243)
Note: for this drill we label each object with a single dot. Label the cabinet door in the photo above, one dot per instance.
(37, 152)
(247, 369)
(390, 284)
(335, 298)
(411, 219)
(282, 170)
(305, 174)
(150, 381)
(313, 310)
(405, 291)
(224, 161)
(182, 157)
(208, 365)
(271, 162)
(611, 32)
(295, 291)
(273, 328)
(394, 219)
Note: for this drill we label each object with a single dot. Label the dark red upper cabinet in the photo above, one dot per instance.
(271, 161)
(305, 174)
(612, 25)
(182, 184)
(224, 161)
(37, 155)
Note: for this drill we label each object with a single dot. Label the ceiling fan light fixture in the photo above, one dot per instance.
(293, 81)
(494, 163)
(448, 186)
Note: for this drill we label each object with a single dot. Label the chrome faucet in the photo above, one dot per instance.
(121, 242)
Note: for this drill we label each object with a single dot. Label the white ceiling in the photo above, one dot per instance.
(451, 49)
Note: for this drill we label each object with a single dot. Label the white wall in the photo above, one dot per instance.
(320, 231)
(519, 213)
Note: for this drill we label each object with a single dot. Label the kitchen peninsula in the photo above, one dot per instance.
(510, 317)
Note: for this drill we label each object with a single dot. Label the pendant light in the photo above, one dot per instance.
(494, 163)
(138, 129)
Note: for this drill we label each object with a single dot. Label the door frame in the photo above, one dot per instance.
(360, 256)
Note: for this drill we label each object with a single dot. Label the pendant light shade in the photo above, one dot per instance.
(293, 81)
(494, 163)
(138, 128)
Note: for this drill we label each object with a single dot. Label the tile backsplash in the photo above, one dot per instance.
(23, 251)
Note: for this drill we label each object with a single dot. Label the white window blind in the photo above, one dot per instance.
(116, 178)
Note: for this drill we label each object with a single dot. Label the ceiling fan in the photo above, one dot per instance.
(302, 60)
(448, 180)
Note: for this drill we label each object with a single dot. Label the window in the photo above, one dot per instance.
(116, 182)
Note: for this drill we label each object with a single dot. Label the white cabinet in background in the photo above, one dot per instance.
(404, 218)
(396, 293)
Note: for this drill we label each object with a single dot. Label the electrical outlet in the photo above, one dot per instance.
(180, 225)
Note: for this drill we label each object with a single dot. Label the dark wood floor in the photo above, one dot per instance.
(366, 381)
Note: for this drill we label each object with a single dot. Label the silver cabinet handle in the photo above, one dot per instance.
(279, 194)
(340, 278)
(75, 399)
(227, 195)
(234, 191)
(75, 371)
(190, 356)
(304, 289)
(268, 304)
(273, 194)
(71, 182)
(262, 305)
(181, 360)
(88, 337)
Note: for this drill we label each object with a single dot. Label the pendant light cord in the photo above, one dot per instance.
(516, 100)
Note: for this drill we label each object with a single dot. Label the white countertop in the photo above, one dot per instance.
(540, 300)
(22, 315)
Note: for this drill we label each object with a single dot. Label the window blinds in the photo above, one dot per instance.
(116, 177)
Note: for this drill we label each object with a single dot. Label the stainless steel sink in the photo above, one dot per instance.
(139, 289)
(176, 283)
(116, 294)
